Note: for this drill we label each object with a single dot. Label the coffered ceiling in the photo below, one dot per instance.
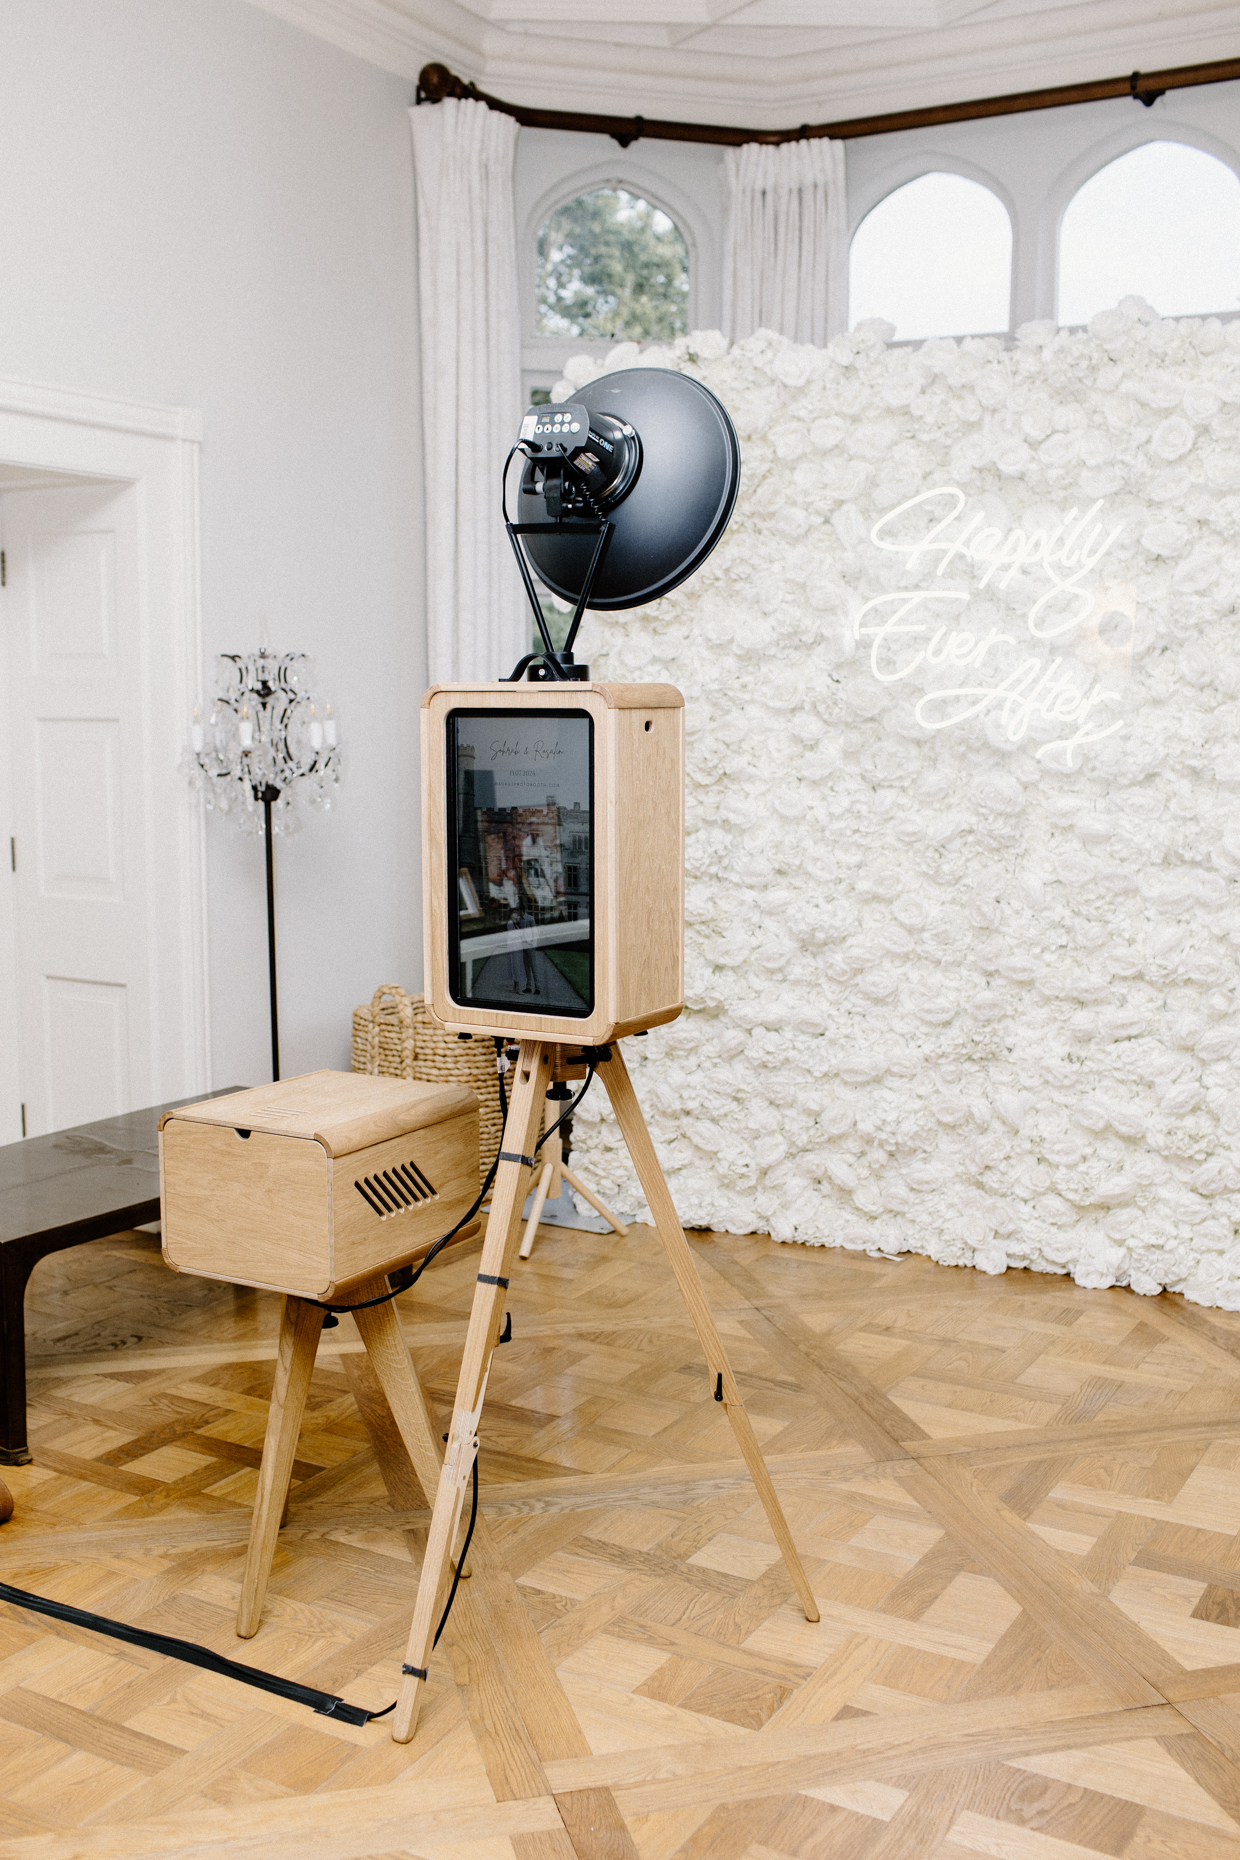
(769, 63)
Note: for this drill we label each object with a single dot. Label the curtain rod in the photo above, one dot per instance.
(435, 82)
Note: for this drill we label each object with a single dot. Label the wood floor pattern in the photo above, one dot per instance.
(1018, 1503)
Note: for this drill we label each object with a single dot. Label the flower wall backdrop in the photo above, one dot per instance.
(963, 705)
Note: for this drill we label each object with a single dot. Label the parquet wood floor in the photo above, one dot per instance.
(1018, 1502)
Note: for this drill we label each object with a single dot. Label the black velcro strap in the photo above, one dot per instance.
(488, 1278)
(414, 1672)
(531, 1162)
(325, 1703)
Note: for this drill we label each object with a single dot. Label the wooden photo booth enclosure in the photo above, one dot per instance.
(553, 823)
(568, 844)
(315, 1187)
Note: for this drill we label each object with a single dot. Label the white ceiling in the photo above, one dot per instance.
(769, 63)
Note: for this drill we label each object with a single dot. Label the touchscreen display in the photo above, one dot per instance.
(520, 860)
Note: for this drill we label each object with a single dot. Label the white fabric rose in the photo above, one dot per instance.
(1173, 438)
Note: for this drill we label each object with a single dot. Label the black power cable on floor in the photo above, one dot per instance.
(325, 1703)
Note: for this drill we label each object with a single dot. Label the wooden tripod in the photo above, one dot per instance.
(531, 1077)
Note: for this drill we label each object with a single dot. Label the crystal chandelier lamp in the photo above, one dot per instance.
(263, 750)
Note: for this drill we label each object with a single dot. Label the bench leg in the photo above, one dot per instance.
(16, 1265)
(300, 1327)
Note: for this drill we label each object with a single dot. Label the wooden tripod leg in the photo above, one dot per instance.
(540, 1196)
(588, 1194)
(300, 1326)
(530, 1079)
(614, 1075)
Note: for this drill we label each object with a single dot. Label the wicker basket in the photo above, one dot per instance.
(396, 1037)
(383, 1035)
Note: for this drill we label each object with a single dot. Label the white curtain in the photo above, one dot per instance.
(785, 258)
(477, 622)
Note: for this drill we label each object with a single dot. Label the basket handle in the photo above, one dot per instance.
(393, 989)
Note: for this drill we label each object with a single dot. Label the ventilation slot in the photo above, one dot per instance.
(392, 1191)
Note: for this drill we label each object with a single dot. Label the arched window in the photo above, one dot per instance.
(1163, 223)
(611, 265)
(935, 259)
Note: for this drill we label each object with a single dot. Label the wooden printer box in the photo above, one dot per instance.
(553, 858)
(310, 1184)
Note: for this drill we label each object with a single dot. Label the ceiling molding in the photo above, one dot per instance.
(769, 75)
(389, 36)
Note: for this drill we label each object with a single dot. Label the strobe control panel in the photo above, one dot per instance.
(556, 429)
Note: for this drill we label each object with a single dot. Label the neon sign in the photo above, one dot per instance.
(923, 627)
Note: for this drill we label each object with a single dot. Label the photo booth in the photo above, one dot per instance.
(553, 863)
(553, 886)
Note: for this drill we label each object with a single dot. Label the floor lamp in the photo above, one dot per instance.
(263, 749)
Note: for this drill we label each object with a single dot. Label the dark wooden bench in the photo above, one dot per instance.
(60, 1191)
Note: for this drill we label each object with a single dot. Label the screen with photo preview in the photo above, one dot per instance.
(520, 860)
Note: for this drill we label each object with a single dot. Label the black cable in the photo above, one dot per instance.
(460, 1562)
(414, 1275)
(564, 1115)
(439, 1244)
(473, 1509)
(523, 449)
(325, 1703)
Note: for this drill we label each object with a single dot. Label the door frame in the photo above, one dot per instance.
(156, 450)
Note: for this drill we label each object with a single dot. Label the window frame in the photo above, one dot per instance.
(1069, 182)
(543, 357)
(914, 167)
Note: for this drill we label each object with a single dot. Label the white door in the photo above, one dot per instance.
(71, 694)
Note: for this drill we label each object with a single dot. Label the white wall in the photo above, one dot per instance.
(205, 207)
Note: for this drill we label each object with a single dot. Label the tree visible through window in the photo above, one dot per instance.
(935, 259)
(612, 265)
(1163, 223)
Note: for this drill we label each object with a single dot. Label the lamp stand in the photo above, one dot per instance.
(264, 743)
(539, 1060)
(269, 795)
